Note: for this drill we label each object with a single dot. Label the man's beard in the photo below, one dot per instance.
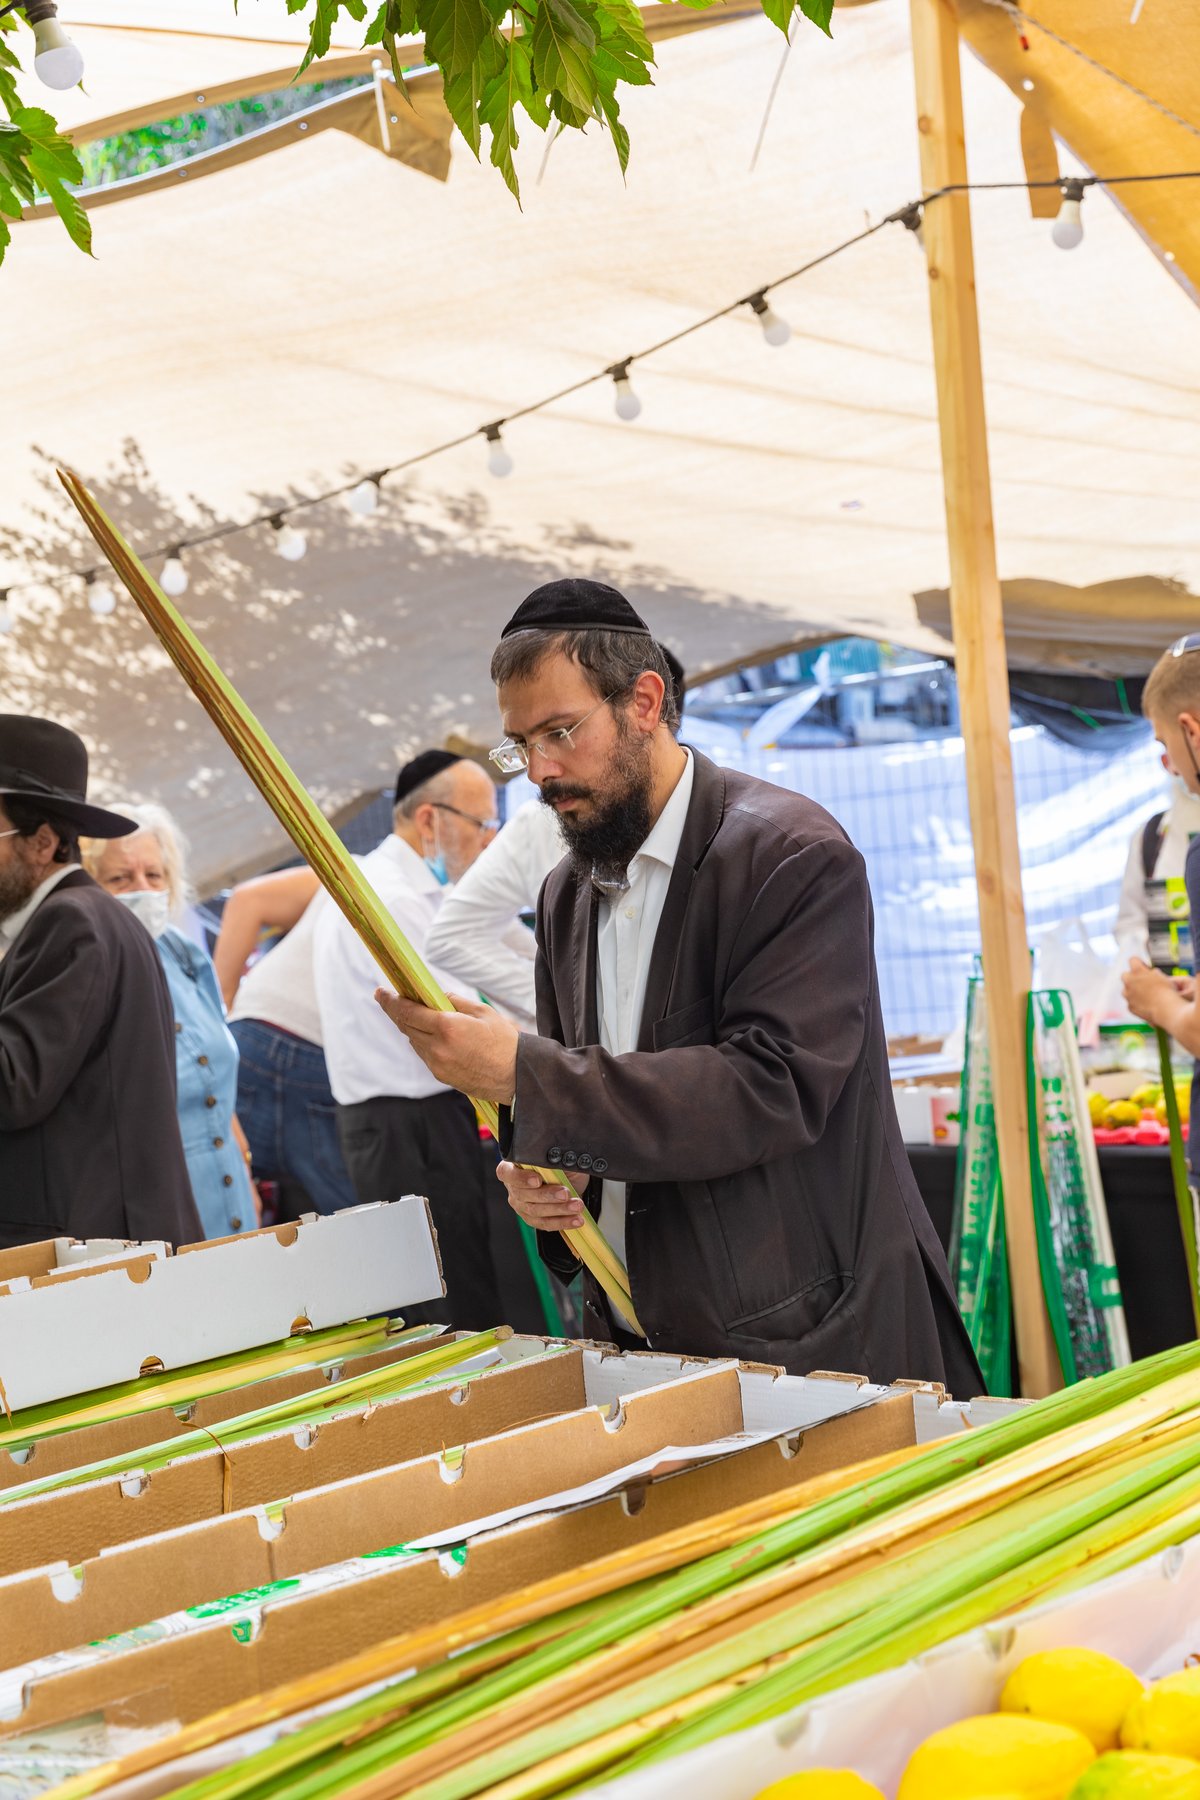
(601, 845)
(17, 885)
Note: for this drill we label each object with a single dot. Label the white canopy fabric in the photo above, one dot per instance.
(322, 312)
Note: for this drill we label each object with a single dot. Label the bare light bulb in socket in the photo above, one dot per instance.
(57, 61)
(100, 597)
(363, 500)
(775, 330)
(499, 462)
(913, 220)
(174, 577)
(1067, 230)
(290, 543)
(626, 402)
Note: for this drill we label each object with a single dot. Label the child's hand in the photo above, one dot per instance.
(1147, 991)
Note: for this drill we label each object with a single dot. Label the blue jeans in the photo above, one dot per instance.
(288, 1114)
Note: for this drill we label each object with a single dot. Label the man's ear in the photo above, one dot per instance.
(44, 843)
(648, 695)
(424, 818)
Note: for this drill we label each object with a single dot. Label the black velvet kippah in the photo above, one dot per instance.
(421, 769)
(576, 605)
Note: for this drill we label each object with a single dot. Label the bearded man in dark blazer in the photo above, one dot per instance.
(89, 1137)
(711, 1066)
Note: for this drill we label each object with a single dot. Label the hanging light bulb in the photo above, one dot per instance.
(777, 331)
(364, 499)
(8, 622)
(290, 543)
(626, 401)
(913, 219)
(57, 61)
(1067, 230)
(174, 577)
(499, 462)
(100, 596)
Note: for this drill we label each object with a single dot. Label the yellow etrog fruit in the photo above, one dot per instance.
(1001, 1753)
(1167, 1717)
(1122, 1112)
(1083, 1688)
(821, 1784)
(1139, 1775)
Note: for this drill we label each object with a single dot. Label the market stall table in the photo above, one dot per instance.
(1145, 1232)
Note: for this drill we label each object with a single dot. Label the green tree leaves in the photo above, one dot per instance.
(561, 60)
(33, 157)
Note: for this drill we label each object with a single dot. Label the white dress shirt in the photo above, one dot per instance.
(474, 935)
(366, 1055)
(12, 927)
(626, 931)
(281, 988)
(1179, 827)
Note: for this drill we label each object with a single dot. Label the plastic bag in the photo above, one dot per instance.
(1066, 958)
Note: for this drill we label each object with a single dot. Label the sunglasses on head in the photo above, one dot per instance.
(1181, 646)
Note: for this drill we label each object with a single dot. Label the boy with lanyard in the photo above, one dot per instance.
(1171, 702)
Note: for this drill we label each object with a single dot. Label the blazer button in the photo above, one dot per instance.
(210, 1099)
(585, 1161)
(227, 1180)
(235, 1224)
(218, 1143)
(203, 1061)
(554, 1155)
(569, 1159)
(599, 1165)
(178, 1026)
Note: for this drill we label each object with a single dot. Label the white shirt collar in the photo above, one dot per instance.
(12, 927)
(662, 844)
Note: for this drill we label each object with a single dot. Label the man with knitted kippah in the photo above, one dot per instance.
(711, 1069)
(401, 1130)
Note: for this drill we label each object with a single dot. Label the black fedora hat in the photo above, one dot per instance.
(47, 764)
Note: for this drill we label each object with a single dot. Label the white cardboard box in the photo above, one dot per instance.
(95, 1328)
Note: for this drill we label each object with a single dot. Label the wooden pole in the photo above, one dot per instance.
(980, 658)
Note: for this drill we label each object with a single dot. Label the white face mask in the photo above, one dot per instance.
(152, 906)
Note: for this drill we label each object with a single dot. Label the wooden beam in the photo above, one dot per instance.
(980, 660)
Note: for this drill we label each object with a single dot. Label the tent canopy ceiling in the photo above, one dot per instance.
(324, 312)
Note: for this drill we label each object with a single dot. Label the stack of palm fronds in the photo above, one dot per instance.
(301, 818)
(443, 1362)
(726, 1623)
(318, 1352)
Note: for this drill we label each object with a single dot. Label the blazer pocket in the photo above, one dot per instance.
(692, 1024)
(800, 1313)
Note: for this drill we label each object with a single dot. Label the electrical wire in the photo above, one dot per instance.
(902, 215)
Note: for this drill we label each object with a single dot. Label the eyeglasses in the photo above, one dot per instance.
(1182, 645)
(15, 832)
(509, 757)
(482, 825)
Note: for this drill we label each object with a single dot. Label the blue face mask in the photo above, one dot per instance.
(436, 864)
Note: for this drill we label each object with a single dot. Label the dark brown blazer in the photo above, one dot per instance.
(89, 1136)
(771, 1214)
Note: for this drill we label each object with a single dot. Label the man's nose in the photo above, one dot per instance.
(545, 768)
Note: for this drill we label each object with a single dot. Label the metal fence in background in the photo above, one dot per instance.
(905, 806)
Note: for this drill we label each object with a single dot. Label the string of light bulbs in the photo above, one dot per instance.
(363, 493)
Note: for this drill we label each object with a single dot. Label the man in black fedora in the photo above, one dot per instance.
(89, 1138)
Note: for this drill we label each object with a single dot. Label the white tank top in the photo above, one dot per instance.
(280, 989)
